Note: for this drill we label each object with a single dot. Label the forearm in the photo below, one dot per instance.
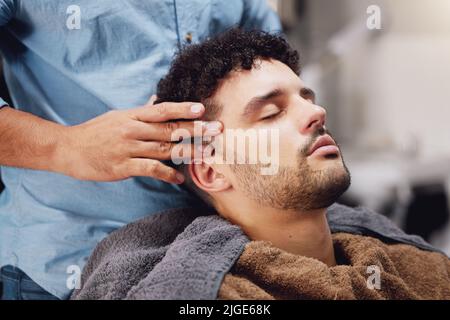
(28, 141)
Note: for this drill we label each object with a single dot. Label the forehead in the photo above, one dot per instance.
(239, 87)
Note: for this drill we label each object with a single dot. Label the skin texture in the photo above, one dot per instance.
(113, 146)
(289, 208)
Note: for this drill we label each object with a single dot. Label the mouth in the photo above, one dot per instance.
(324, 146)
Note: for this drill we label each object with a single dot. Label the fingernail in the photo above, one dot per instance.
(213, 128)
(179, 177)
(196, 108)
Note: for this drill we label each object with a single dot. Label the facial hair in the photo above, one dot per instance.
(295, 187)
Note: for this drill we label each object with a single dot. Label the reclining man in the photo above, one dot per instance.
(273, 238)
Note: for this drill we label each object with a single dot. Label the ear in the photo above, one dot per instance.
(207, 178)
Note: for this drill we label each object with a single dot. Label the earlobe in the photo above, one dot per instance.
(207, 178)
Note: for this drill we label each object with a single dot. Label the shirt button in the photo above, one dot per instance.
(188, 37)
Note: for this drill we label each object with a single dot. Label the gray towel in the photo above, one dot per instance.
(180, 254)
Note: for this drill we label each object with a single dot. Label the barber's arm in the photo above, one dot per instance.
(113, 146)
(110, 147)
(259, 15)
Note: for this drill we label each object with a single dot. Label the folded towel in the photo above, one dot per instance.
(405, 272)
(186, 253)
(174, 255)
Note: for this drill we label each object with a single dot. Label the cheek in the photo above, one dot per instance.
(289, 153)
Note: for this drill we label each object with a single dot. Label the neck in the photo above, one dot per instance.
(303, 233)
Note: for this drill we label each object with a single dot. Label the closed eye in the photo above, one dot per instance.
(272, 116)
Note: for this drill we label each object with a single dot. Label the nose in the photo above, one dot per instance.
(312, 118)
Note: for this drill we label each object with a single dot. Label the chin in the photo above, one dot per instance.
(336, 180)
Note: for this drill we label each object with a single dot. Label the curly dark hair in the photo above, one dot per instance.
(196, 70)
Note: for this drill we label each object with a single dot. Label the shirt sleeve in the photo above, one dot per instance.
(259, 15)
(6, 14)
(7, 9)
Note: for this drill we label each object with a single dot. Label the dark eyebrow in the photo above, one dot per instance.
(257, 102)
(305, 91)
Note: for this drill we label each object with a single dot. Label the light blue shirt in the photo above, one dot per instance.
(50, 222)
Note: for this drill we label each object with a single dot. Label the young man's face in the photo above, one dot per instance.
(272, 97)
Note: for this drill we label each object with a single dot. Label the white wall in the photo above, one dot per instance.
(395, 89)
(408, 92)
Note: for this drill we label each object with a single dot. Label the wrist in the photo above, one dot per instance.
(63, 157)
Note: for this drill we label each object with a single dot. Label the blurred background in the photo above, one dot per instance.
(381, 68)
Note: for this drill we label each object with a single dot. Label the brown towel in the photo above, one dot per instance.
(266, 272)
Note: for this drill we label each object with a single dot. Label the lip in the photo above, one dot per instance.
(323, 146)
